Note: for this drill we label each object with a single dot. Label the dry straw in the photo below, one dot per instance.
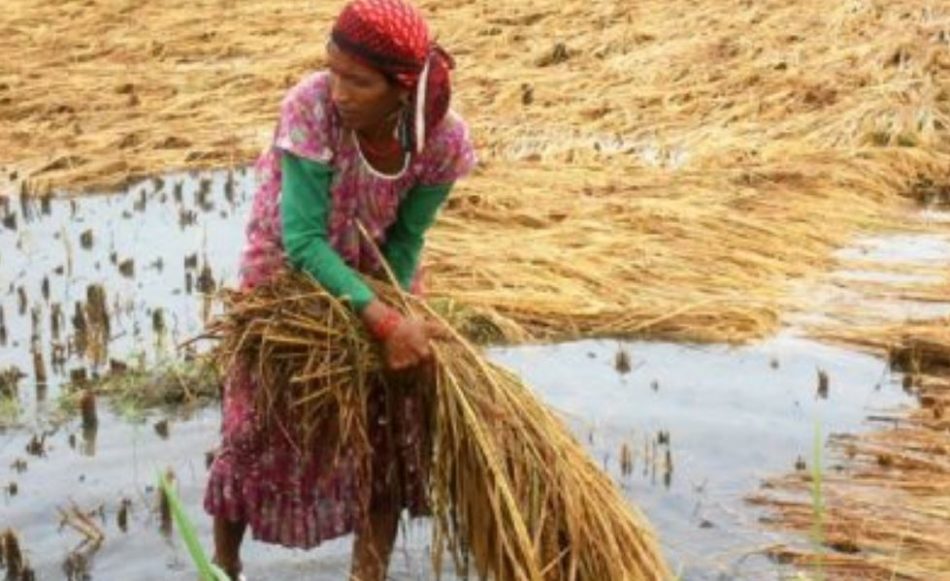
(513, 494)
(661, 168)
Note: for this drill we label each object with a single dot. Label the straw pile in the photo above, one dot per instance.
(99, 92)
(662, 169)
(512, 492)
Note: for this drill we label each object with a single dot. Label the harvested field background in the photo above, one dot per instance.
(701, 154)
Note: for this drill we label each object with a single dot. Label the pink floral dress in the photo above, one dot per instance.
(257, 476)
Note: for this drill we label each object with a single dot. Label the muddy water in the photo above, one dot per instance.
(702, 424)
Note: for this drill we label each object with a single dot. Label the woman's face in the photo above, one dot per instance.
(363, 96)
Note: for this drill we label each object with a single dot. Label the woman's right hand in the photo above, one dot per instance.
(408, 345)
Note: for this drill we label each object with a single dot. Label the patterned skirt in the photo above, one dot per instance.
(300, 500)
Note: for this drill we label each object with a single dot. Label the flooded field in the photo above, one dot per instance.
(94, 283)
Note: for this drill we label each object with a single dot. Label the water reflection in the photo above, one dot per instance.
(130, 271)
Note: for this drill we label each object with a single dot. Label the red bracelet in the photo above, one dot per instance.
(383, 327)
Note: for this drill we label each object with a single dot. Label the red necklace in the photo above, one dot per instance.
(387, 149)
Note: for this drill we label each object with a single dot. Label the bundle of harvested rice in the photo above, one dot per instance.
(512, 492)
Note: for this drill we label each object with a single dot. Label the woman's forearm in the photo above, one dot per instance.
(305, 207)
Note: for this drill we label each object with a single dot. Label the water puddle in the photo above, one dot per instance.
(97, 278)
(686, 431)
(876, 279)
(723, 417)
(555, 143)
(899, 249)
(855, 275)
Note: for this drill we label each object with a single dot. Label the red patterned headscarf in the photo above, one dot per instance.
(391, 36)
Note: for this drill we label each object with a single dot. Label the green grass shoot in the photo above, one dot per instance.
(186, 530)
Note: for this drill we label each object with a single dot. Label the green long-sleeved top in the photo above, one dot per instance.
(305, 210)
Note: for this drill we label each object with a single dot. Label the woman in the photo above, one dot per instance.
(369, 142)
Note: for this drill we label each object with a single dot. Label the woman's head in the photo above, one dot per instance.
(384, 63)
